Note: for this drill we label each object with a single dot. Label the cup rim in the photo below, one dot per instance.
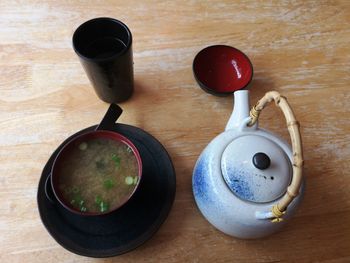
(116, 136)
(86, 23)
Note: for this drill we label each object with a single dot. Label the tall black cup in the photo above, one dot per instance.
(104, 47)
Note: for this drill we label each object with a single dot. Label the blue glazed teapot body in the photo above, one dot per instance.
(241, 174)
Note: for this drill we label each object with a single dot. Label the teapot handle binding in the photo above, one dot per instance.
(279, 209)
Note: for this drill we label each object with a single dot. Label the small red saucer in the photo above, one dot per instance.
(221, 70)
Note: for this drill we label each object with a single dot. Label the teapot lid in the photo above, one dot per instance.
(256, 168)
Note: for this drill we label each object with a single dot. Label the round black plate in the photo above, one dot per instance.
(131, 225)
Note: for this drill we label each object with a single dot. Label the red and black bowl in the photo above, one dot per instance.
(221, 70)
(54, 193)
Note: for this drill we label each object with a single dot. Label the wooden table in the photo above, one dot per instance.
(300, 49)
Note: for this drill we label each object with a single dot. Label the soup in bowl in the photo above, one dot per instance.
(96, 173)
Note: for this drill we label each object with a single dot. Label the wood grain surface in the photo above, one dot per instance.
(299, 48)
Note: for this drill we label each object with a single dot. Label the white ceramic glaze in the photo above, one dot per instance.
(230, 191)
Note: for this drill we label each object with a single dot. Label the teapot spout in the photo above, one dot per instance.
(240, 110)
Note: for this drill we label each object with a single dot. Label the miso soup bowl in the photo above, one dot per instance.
(62, 155)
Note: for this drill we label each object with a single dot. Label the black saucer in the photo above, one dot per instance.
(131, 225)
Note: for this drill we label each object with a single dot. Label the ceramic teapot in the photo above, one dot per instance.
(246, 178)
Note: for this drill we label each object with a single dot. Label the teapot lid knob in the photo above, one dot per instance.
(261, 161)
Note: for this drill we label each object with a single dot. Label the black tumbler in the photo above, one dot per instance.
(104, 47)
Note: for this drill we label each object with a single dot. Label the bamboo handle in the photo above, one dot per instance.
(293, 127)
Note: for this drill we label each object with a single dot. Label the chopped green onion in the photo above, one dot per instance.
(78, 202)
(98, 200)
(104, 206)
(129, 150)
(135, 179)
(108, 184)
(116, 159)
(83, 146)
(129, 180)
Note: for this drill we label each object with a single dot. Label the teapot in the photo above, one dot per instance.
(248, 182)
